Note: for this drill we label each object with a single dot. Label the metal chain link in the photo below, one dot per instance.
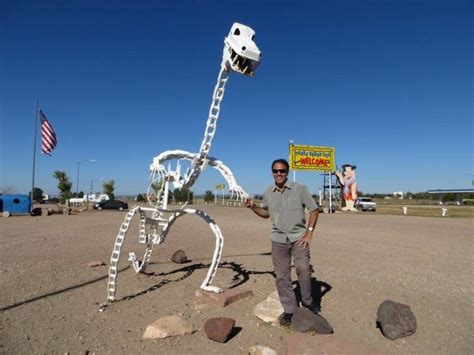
(211, 124)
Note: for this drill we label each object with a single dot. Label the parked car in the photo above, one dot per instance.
(365, 204)
(111, 205)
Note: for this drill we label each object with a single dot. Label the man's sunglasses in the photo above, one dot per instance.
(282, 171)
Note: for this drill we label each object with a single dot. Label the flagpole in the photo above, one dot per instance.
(34, 156)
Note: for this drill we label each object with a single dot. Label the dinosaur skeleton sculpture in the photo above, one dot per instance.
(240, 55)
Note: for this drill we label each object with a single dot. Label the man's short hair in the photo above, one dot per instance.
(281, 161)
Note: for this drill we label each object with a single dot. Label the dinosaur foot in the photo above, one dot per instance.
(212, 289)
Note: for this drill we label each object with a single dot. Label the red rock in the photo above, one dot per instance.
(225, 298)
(219, 329)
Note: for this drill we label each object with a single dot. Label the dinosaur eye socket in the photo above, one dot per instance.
(253, 37)
(237, 32)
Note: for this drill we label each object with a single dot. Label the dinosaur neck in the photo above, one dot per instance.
(214, 111)
(210, 131)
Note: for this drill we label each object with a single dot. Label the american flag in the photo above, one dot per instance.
(48, 136)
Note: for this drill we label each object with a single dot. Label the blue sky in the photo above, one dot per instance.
(387, 83)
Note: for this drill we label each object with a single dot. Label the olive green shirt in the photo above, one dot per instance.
(287, 210)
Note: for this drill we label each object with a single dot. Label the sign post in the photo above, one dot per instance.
(220, 187)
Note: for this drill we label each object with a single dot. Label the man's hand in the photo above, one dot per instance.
(261, 212)
(306, 240)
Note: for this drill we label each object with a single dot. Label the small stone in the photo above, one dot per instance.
(396, 320)
(219, 329)
(261, 350)
(95, 263)
(304, 321)
(179, 257)
(167, 327)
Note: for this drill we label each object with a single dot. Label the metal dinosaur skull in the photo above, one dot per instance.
(241, 54)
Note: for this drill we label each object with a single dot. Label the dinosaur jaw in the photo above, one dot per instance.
(241, 54)
(241, 64)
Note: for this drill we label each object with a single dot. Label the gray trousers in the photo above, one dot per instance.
(281, 257)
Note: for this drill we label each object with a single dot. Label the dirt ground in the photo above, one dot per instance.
(50, 297)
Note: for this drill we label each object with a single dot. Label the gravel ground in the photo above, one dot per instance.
(50, 297)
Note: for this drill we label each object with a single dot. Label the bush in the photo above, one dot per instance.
(208, 196)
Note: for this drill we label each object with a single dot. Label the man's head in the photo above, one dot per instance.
(280, 168)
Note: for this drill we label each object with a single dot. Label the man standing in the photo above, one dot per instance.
(285, 203)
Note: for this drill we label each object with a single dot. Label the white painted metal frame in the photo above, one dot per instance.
(240, 55)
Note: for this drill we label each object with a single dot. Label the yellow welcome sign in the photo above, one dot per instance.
(312, 158)
(220, 187)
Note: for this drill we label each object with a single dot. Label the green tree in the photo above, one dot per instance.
(37, 195)
(158, 185)
(109, 187)
(140, 198)
(64, 185)
(208, 196)
(183, 194)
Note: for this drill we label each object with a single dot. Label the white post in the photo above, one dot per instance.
(405, 210)
(444, 211)
(223, 202)
(330, 192)
(320, 197)
(294, 171)
(165, 197)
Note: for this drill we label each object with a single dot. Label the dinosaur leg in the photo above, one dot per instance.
(206, 285)
(139, 266)
(114, 259)
(217, 250)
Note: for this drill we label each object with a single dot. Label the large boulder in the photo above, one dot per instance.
(395, 320)
(306, 321)
(270, 309)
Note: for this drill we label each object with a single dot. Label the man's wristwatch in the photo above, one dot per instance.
(310, 229)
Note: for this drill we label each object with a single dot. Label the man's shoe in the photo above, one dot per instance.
(285, 320)
(313, 307)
